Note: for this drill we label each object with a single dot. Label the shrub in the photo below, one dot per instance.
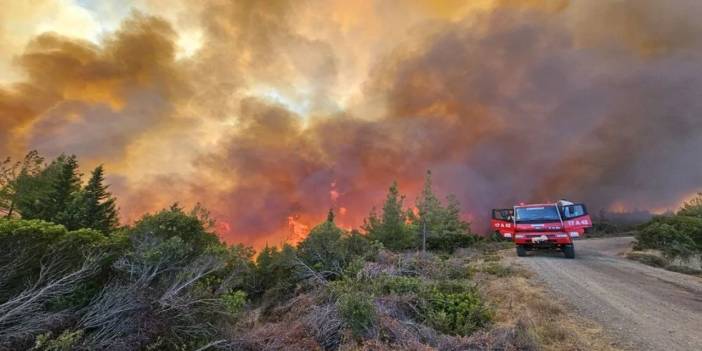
(66, 341)
(449, 242)
(400, 285)
(689, 226)
(234, 301)
(456, 312)
(457, 269)
(358, 312)
(669, 235)
(26, 243)
(693, 208)
(322, 249)
(174, 222)
(354, 244)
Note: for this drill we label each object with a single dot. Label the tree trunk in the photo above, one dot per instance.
(424, 236)
(12, 208)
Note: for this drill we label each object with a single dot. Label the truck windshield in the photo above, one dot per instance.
(536, 214)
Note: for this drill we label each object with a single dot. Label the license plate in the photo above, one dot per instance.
(539, 239)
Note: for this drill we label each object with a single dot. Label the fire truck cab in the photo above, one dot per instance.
(542, 226)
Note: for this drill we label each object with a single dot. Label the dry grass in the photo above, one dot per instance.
(542, 320)
(526, 317)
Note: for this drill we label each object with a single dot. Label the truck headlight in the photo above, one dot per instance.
(519, 236)
(575, 234)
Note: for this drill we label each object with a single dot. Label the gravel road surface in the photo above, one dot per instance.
(645, 308)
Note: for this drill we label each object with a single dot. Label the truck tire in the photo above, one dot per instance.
(569, 251)
(521, 251)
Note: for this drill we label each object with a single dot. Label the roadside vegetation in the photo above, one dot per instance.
(72, 278)
(673, 241)
(612, 224)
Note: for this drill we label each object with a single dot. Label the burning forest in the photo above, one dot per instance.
(270, 112)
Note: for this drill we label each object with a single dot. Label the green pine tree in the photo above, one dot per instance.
(451, 222)
(63, 205)
(50, 193)
(322, 249)
(96, 206)
(428, 221)
(390, 228)
(264, 268)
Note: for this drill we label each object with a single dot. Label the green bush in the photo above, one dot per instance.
(174, 222)
(358, 312)
(692, 208)
(66, 341)
(30, 241)
(456, 312)
(672, 235)
(449, 242)
(234, 301)
(322, 249)
(400, 285)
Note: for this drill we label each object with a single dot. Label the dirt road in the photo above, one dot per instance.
(646, 308)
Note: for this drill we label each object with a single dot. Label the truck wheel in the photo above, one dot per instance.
(521, 251)
(569, 251)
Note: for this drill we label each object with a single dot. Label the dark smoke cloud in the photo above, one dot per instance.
(93, 101)
(516, 107)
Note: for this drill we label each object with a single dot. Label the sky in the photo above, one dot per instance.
(271, 112)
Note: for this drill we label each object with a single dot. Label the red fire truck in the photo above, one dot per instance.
(542, 226)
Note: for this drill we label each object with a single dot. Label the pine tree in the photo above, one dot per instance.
(264, 268)
(96, 207)
(391, 227)
(322, 249)
(371, 223)
(430, 211)
(62, 204)
(451, 222)
(393, 214)
(330, 215)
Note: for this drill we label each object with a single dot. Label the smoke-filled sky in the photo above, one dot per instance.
(271, 112)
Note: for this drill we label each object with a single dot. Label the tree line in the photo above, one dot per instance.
(71, 277)
(53, 192)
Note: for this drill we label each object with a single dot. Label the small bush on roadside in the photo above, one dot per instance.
(671, 238)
